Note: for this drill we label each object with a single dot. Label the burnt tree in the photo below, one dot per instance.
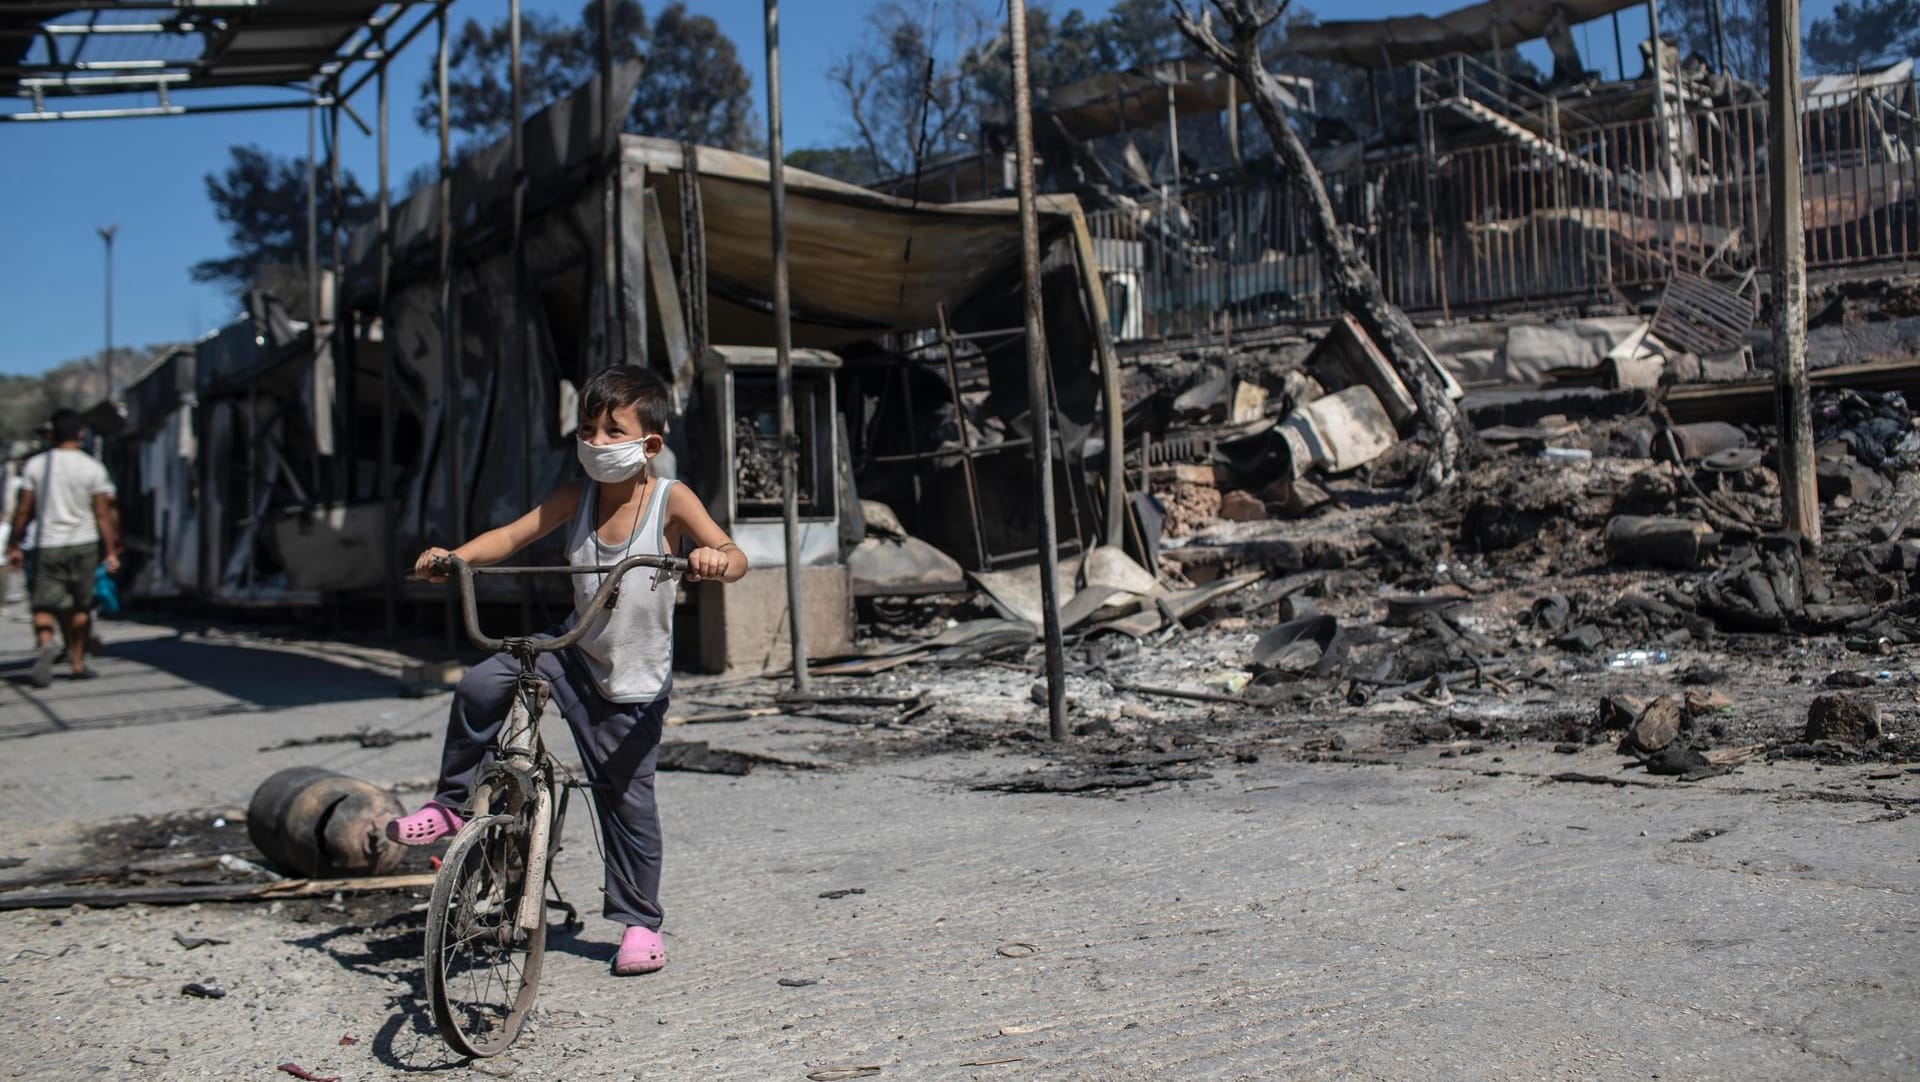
(1354, 282)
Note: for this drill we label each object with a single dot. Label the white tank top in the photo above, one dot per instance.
(628, 648)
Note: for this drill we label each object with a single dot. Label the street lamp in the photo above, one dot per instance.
(106, 359)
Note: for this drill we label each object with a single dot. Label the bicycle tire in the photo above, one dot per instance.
(475, 899)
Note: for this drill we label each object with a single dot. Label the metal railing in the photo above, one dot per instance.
(1501, 223)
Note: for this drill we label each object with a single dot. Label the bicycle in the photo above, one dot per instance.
(487, 918)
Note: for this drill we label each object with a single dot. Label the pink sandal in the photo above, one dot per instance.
(641, 951)
(426, 826)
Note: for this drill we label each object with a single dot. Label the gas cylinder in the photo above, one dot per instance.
(322, 824)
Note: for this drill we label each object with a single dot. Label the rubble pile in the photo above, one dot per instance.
(1623, 560)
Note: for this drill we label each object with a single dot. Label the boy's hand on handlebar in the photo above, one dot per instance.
(707, 563)
(428, 565)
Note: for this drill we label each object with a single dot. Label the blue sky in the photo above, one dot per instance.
(63, 180)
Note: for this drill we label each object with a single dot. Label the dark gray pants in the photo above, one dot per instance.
(618, 742)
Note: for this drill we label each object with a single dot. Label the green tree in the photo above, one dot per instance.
(1863, 34)
(556, 57)
(693, 87)
(262, 200)
(1140, 32)
(1059, 51)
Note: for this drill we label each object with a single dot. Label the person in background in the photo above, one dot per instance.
(10, 589)
(68, 498)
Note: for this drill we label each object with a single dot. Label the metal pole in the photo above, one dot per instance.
(783, 342)
(1037, 409)
(449, 390)
(1799, 499)
(1619, 57)
(1664, 143)
(1233, 120)
(612, 328)
(518, 352)
(1173, 138)
(389, 513)
(106, 358)
(966, 440)
(1717, 27)
(313, 224)
(339, 340)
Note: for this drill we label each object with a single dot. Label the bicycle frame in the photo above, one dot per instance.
(518, 750)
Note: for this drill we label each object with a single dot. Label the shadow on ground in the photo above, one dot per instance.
(389, 951)
(268, 679)
(155, 680)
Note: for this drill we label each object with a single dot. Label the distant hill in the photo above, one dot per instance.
(27, 401)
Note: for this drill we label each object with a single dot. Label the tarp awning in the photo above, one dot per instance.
(861, 264)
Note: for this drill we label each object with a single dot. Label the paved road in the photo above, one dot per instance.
(1279, 919)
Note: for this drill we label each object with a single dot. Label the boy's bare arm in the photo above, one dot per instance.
(717, 557)
(498, 544)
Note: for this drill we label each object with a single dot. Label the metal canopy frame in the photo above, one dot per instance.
(309, 53)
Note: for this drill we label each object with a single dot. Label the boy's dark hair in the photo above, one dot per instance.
(67, 426)
(626, 385)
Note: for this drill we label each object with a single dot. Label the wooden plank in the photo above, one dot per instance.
(105, 897)
(1752, 400)
(869, 666)
(728, 715)
(666, 300)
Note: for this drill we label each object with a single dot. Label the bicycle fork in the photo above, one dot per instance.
(533, 895)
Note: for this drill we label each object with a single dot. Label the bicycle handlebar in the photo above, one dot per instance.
(465, 572)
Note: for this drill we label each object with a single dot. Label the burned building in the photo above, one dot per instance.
(440, 401)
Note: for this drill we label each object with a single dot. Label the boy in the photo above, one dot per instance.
(612, 687)
(68, 498)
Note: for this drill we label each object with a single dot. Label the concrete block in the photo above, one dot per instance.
(743, 626)
(1341, 432)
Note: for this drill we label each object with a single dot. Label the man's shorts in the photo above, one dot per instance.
(61, 579)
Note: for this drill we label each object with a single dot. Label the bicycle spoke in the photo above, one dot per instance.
(486, 969)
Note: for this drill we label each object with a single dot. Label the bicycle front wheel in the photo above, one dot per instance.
(482, 971)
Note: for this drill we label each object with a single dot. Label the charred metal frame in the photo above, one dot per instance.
(175, 80)
(1505, 222)
(943, 354)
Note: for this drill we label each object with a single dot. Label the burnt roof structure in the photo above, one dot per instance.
(176, 55)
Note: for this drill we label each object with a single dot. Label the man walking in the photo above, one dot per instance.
(69, 498)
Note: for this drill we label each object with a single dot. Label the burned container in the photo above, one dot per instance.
(323, 825)
(1636, 541)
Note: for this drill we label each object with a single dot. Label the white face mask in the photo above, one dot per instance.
(614, 462)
